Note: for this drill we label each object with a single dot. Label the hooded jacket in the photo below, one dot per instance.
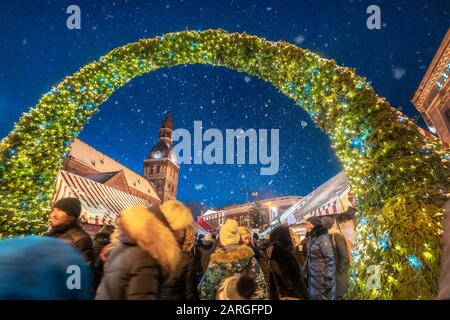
(232, 259)
(182, 285)
(146, 255)
(286, 279)
(321, 265)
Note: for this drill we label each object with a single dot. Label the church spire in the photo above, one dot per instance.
(165, 133)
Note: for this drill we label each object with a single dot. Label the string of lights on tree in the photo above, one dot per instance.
(399, 177)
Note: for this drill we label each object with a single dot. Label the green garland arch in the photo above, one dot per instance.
(399, 177)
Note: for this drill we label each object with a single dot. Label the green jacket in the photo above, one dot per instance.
(233, 259)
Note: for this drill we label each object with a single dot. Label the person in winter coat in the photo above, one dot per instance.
(264, 259)
(321, 263)
(37, 268)
(65, 226)
(246, 239)
(297, 243)
(230, 259)
(101, 240)
(256, 240)
(340, 256)
(182, 285)
(203, 254)
(286, 278)
(147, 254)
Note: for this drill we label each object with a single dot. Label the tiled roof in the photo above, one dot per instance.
(97, 160)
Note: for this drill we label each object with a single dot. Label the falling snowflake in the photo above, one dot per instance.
(198, 186)
(299, 39)
(304, 124)
(398, 73)
(247, 79)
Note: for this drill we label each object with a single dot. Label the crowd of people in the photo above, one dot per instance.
(155, 253)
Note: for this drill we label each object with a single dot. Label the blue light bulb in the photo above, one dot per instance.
(414, 262)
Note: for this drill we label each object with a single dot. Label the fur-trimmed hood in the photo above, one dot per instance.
(186, 239)
(230, 254)
(143, 226)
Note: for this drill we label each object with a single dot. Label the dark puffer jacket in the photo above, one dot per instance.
(182, 284)
(342, 263)
(75, 235)
(321, 265)
(286, 278)
(146, 255)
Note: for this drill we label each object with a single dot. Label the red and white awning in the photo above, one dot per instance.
(335, 206)
(100, 204)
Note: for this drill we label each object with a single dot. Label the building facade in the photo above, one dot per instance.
(432, 98)
(105, 187)
(160, 166)
(271, 208)
(85, 161)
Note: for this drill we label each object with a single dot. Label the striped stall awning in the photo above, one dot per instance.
(100, 204)
(334, 207)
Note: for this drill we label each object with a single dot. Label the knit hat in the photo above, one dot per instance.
(327, 222)
(177, 215)
(71, 206)
(229, 233)
(315, 221)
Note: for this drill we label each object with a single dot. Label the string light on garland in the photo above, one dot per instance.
(384, 240)
(369, 137)
(414, 262)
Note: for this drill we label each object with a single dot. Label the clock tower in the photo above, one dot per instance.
(160, 166)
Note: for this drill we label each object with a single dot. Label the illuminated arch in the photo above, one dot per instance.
(398, 177)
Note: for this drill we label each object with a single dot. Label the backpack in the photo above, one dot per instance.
(228, 287)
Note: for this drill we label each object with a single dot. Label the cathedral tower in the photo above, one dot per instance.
(160, 166)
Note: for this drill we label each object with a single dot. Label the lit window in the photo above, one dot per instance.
(439, 85)
(444, 77)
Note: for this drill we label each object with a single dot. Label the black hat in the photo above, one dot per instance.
(71, 206)
(327, 222)
(315, 221)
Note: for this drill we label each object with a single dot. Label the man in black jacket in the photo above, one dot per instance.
(65, 226)
(340, 256)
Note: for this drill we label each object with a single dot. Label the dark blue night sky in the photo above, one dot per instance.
(37, 51)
